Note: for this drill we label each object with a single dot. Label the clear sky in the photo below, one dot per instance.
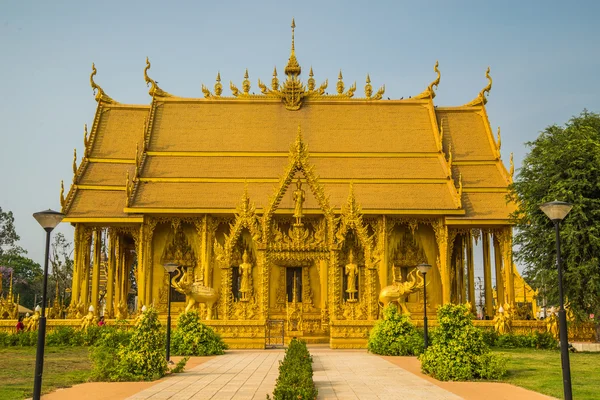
(544, 59)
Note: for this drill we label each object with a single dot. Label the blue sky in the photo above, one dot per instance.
(543, 55)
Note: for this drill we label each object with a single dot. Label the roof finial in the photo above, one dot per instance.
(512, 166)
(74, 161)
(154, 89)
(274, 81)
(481, 98)
(218, 85)
(340, 84)
(368, 88)
(246, 83)
(499, 144)
(97, 90)
(62, 194)
(292, 67)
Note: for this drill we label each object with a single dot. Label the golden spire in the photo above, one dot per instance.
(311, 80)
(512, 166)
(274, 81)
(340, 84)
(10, 288)
(154, 89)
(499, 144)
(368, 88)
(246, 83)
(97, 90)
(292, 67)
(62, 194)
(218, 85)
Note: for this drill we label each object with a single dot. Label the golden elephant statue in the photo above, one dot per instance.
(399, 290)
(195, 293)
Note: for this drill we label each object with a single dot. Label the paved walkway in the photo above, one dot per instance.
(337, 374)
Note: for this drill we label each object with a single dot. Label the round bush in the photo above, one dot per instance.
(395, 335)
(459, 352)
(193, 338)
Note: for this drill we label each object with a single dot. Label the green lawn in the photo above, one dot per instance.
(540, 370)
(63, 367)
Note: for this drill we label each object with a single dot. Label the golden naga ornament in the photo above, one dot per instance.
(481, 98)
(62, 195)
(429, 93)
(154, 91)
(99, 93)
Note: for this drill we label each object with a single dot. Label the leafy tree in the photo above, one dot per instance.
(563, 164)
(61, 262)
(27, 278)
(8, 234)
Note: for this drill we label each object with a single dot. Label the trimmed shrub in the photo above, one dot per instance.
(535, 340)
(295, 380)
(459, 351)
(135, 356)
(395, 335)
(193, 338)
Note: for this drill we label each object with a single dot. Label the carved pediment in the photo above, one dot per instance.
(408, 252)
(179, 251)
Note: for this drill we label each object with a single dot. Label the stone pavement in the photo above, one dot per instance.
(337, 374)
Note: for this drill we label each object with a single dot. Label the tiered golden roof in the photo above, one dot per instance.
(193, 155)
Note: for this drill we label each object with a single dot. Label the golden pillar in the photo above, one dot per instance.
(263, 267)
(141, 267)
(77, 254)
(383, 264)
(118, 273)
(499, 271)
(96, 269)
(460, 270)
(441, 235)
(487, 273)
(323, 282)
(471, 272)
(506, 246)
(110, 279)
(85, 269)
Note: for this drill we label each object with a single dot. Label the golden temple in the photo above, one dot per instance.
(292, 205)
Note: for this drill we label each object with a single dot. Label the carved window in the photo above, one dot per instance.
(175, 295)
(236, 280)
(293, 277)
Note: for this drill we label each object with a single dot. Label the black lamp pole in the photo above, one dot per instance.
(562, 322)
(48, 220)
(169, 320)
(557, 211)
(423, 268)
(170, 268)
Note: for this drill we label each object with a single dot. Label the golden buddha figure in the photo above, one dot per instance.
(351, 270)
(299, 198)
(245, 270)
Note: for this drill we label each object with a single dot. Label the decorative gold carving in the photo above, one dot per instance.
(246, 83)
(154, 91)
(99, 93)
(218, 85)
(179, 251)
(299, 197)
(368, 88)
(74, 164)
(85, 141)
(460, 190)
(499, 143)
(398, 292)
(245, 269)
(351, 270)
(62, 195)
(450, 160)
(481, 98)
(195, 292)
(511, 171)
(234, 90)
(429, 93)
(503, 319)
(128, 189)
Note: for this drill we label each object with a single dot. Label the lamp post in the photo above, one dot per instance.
(48, 220)
(170, 268)
(424, 268)
(557, 211)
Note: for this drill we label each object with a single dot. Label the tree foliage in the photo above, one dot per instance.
(395, 335)
(8, 234)
(563, 164)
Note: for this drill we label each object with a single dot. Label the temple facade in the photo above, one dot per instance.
(293, 212)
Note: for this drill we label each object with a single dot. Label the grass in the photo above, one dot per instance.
(540, 370)
(63, 367)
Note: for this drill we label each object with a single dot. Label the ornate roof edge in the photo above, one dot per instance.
(481, 98)
(154, 91)
(140, 156)
(100, 94)
(297, 161)
(429, 93)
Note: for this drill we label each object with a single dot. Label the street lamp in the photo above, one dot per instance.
(48, 220)
(170, 268)
(424, 268)
(557, 211)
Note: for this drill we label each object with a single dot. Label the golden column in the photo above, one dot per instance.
(141, 267)
(77, 255)
(441, 235)
(506, 246)
(471, 272)
(487, 273)
(85, 269)
(96, 269)
(110, 279)
(118, 269)
(499, 271)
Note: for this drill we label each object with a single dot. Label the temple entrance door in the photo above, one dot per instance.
(293, 285)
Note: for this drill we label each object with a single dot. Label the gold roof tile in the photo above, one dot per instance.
(465, 131)
(118, 131)
(102, 174)
(480, 176)
(98, 203)
(487, 206)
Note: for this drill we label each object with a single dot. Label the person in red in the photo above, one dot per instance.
(101, 321)
(20, 325)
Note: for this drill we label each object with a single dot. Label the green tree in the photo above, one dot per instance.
(61, 263)
(563, 164)
(8, 234)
